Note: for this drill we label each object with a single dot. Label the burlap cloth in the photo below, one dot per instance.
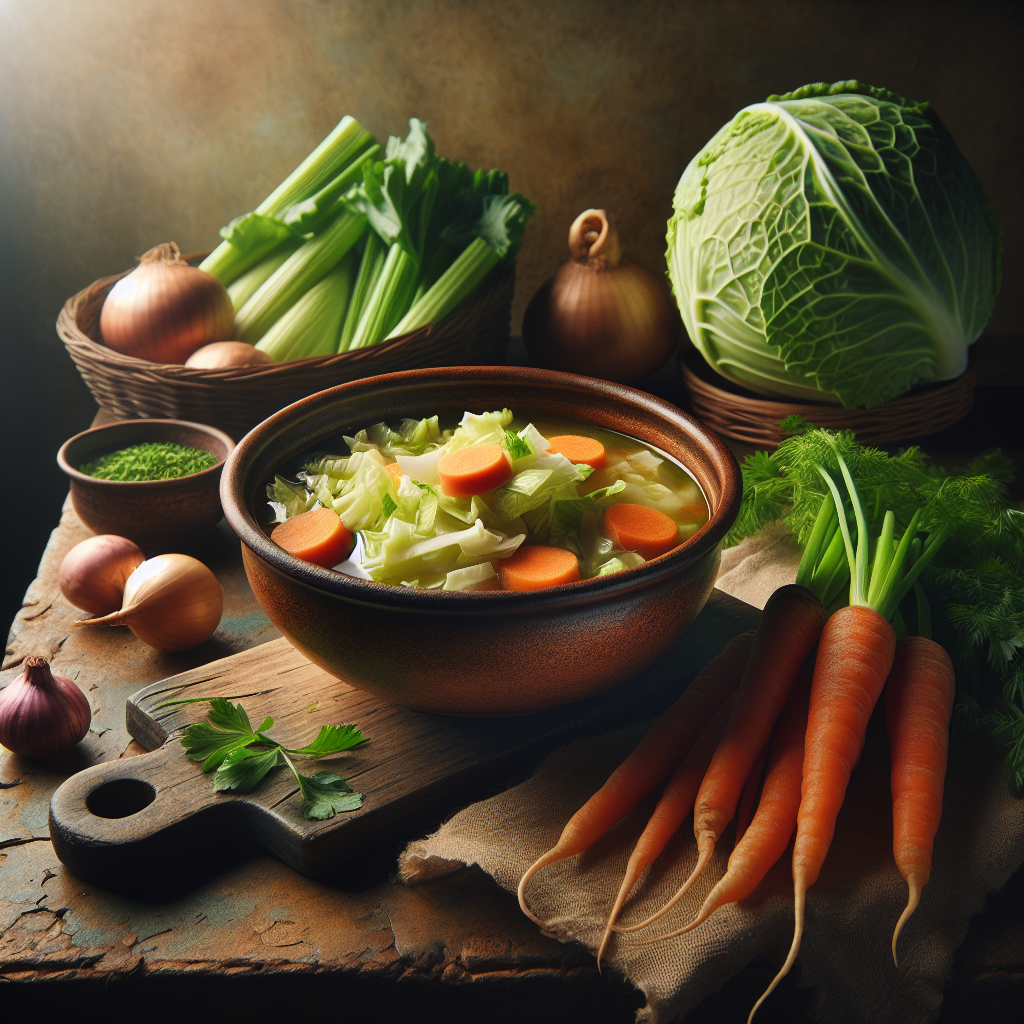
(851, 910)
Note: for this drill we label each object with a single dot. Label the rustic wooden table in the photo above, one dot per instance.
(257, 935)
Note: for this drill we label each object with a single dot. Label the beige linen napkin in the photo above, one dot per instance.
(851, 910)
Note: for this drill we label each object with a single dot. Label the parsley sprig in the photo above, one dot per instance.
(240, 757)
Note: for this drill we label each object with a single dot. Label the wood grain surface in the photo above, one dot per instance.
(414, 768)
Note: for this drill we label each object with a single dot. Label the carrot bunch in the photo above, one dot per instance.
(788, 722)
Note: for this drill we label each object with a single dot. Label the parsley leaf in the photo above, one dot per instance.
(209, 745)
(244, 769)
(229, 716)
(332, 739)
(230, 730)
(516, 447)
(324, 794)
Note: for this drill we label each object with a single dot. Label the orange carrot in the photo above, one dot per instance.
(765, 841)
(855, 654)
(395, 472)
(854, 657)
(666, 743)
(536, 566)
(473, 470)
(751, 792)
(318, 536)
(789, 627)
(638, 528)
(675, 804)
(918, 704)
(579, 449)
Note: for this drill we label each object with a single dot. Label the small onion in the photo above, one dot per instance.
(601, 314)
(165, 309)
(42, 715)
(93, 573)
(171, 602)
(221, 355)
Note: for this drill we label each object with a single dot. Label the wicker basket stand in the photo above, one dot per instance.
(236, 399)
(744, 416)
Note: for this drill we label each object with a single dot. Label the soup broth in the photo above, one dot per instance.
(460, 507)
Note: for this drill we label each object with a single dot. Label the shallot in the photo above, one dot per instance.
(93, 573)
(42, 715)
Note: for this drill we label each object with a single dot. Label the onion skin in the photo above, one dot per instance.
(601, 314)
(93, 573)
(222, 355)
(42, 715)
(171, 602)
(165, 309)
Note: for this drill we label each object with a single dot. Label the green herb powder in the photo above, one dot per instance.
(156, 460)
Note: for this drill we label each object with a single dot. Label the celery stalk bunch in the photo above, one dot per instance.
(363, 243)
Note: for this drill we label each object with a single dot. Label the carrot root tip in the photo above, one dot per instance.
(798, 931)
(912, 903)
(624, 891)
(552, 855)
(698, 920)
(704, 855)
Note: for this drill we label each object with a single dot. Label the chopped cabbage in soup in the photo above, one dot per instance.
(411, 502)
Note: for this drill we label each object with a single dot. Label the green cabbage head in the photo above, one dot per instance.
(833, 245)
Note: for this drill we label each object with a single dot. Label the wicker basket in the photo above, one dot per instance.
(744, 416)
(236, 399)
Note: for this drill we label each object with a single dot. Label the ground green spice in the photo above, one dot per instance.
(156, 460)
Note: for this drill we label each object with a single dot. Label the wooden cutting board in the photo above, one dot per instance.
(123, 820)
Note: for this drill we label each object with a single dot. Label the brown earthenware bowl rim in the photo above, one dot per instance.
(78, 476)
(702, 543)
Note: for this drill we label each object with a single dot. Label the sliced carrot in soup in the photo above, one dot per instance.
(644, 530)
(536, 566)
(318, 536)
(473, 470)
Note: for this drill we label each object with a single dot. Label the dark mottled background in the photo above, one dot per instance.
(124, 123)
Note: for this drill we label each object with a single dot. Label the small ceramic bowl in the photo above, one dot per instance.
(494, 652)
(157, 514)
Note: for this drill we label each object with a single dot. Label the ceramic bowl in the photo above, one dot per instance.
(158, 515)
(480, 653)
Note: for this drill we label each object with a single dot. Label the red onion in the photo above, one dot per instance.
(93, 573)
(42, 715)
(165, 309)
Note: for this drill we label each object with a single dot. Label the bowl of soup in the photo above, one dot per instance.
(422, 604)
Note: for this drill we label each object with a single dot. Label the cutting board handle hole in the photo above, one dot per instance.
(120, 798)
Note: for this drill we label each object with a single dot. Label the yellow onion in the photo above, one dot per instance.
(601, 314)
(42, 715)
(93, 573)
(171, 602)
(165, 309)
(222, 355)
